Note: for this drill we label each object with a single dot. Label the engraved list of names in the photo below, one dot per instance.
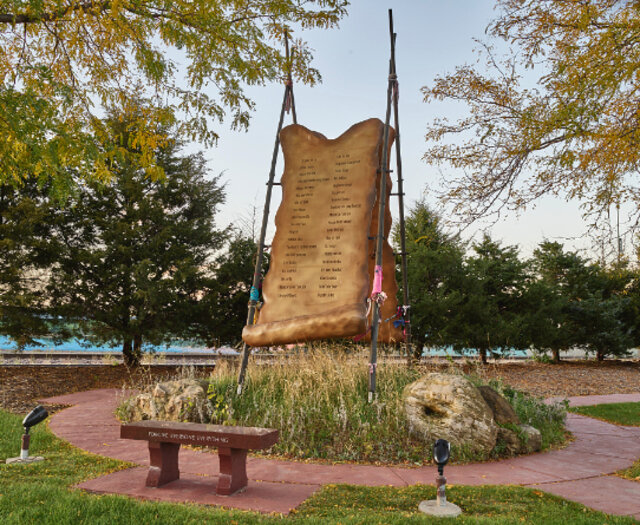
(318, 279)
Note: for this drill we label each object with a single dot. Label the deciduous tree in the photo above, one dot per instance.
(556, 114)
(63, 61)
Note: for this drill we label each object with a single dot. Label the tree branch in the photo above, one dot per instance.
(17, 19)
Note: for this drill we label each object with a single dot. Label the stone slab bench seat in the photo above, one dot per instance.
(165, 438)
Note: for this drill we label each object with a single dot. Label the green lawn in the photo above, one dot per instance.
(619, 414)
(39, 493)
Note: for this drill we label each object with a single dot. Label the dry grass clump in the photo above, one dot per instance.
(318, 400)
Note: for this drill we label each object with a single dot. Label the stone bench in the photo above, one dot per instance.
(165, 438)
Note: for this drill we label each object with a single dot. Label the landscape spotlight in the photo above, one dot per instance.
(441, 454)
(34, 417)
(440, 506)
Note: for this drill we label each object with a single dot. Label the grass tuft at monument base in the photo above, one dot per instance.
(318, 401)
(40, 493)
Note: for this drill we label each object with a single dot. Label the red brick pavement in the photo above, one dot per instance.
(580, 472)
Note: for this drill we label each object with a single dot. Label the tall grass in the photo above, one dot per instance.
(318, 400)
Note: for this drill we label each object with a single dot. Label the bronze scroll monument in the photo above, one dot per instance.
(322, 256)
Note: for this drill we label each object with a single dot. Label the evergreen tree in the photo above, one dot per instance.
(227, 298)
(134, 253)
(434, 271)
(556, 285)
(574, 303)
(25, 255)
(490, 318)
(601, 315)
(631, 314)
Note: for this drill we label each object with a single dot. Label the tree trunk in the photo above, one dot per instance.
(130, 357)
(483, 355)
(600, 355)
(556, 355)
(137, 345)
(414, 352)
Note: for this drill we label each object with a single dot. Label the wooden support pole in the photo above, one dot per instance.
(401, 222)
(290, 80)
(287, 101)
(382, 200)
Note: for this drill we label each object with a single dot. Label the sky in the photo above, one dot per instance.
(433, 37)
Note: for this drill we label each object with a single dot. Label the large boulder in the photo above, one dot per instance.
(450, 407)
(182, 400)
(502, 411)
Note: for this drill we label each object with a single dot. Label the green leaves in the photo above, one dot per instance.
(492, 302)
(434, 272)
(83, 57)
(38, 136)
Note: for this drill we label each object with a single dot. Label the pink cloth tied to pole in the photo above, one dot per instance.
(377, 282)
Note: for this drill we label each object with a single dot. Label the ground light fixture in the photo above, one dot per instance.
(34, 417)
(440, 506)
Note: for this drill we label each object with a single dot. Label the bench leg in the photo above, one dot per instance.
(233, 471)
(164, 463)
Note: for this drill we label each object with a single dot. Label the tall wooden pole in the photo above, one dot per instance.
(382, 200)
(401, 222)
(287, 102)
(292, 101)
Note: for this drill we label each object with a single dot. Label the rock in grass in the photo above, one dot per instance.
(503, 412)
(183, 400)
(510, 440)
(516, 438)
(521, 439)
(449, 407)
(139, 408)
(532, 441)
